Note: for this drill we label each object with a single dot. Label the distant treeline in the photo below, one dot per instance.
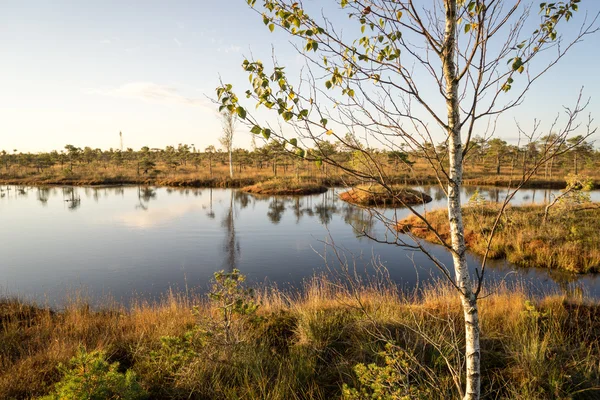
(484, 157)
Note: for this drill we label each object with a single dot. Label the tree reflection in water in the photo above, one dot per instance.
(96, 194)
(297, 208)
(145, 194)
(21, 191)
(242, 198)
(324, 207)
(71, 197)
(276, 209)
(43, 195)
(361, 221)
(231, 246)
(210, 214)
(325, 212)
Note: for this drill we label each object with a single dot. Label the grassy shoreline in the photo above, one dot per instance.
(307, 345)
(567, 241)
(220, 179)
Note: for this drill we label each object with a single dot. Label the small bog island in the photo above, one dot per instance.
(287, 187)
(376, 195)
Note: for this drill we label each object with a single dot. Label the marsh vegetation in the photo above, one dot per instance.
(330, 339)
(185, 165)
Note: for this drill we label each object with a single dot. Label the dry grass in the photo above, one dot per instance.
(512, 181)
(306, 343)
(567, 241)
(378, 196)
(97, 173)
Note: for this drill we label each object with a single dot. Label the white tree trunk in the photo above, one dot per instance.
(230, 164)
(463, 280)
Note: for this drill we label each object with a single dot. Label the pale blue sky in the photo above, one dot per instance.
(79, 72)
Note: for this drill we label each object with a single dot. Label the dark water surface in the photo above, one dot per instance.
(142, 241)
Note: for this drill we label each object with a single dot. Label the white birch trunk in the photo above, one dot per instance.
(463, 280)
(230, 164)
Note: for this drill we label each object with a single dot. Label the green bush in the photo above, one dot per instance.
(235, 302)
(88, 376)
(388, 382)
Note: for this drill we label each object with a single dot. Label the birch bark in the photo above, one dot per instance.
(455, 152)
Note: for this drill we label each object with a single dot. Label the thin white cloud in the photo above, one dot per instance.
(229, 49)
(177, 42)
(153, 92)
(114, 39)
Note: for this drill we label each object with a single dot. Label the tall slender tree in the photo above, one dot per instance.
(409, 72)
(228, 122)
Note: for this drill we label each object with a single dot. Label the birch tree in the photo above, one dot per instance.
(410, 74)
(228, 121)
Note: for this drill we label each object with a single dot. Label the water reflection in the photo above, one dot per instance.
(276, 209)
(241, 198)
(361, 220)
(141, 238)
(210, 214)
(231, 245)
(43, 194)
(145, 194)
(71, 197)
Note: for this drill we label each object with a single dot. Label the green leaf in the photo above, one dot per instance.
(294, 142)
(517, 64)
(319, 162)
(324, 122)
(266, 133)
(241, 112)
(271, 27)
(256, 129)
(467, 28)
(300, 153)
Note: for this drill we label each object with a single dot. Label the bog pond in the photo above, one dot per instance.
(129, 241)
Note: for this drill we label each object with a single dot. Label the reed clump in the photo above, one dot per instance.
(328, 340)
